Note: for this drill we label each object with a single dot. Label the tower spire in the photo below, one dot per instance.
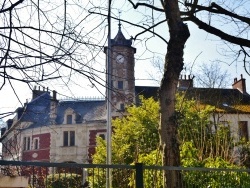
(119, 24)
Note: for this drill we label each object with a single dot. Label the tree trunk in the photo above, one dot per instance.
(179, 34)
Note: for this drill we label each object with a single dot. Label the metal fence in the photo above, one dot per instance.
(73, 175)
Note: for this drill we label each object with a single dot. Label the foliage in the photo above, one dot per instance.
(211, 178)
(244, 152)
(134, 139)
(63, 180)
(140, 128)
(203, 144)
(207, 144)
(152, 178)
(211, 139)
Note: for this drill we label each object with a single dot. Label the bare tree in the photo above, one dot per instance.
(228, 13)
(48, 42)
(228, 20)
(157, 73)
(212, 75)
(51, 36)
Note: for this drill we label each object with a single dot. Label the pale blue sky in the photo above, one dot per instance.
(199, 43)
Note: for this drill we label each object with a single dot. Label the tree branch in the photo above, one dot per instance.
(12, 6)
(215, 8)
(135, 6)
(212, 30)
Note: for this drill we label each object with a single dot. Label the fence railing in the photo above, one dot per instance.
(73, 175)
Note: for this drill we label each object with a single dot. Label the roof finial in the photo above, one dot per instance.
(119, 25)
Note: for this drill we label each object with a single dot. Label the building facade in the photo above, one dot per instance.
(50, 130)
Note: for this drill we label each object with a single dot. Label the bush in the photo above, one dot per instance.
(63, 181)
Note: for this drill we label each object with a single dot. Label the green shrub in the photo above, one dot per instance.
(63, 180)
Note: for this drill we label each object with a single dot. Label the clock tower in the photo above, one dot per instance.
(122, 70)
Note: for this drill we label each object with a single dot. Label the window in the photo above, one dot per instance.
(65, 138)
(69, 116)
(68, 138)
(26, 143)
(102, 136)
(69, 119)
(122, 108)
(120, 84)
(243, 130)
(35, 143)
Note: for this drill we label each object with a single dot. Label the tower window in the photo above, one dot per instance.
(122, 108)
(120, 84)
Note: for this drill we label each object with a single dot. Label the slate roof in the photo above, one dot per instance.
(85, 110)
(37, 111)
(214, 96)
(146, 91)
(226, 100)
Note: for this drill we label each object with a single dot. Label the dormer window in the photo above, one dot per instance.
(69, 116)
(69, 119)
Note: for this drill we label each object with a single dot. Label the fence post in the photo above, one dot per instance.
(139, 175)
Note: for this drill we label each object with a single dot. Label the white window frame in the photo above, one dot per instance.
(69, 138)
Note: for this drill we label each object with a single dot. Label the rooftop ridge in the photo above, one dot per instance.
(86, 98)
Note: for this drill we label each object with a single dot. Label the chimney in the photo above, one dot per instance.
(53, 108)
(185, 82)
(3, 131)
(37, 92)
(240, 84)
(54, 95)
(9, 123)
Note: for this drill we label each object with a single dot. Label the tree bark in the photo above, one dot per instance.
(179, 34)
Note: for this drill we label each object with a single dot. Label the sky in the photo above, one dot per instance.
(200, 48)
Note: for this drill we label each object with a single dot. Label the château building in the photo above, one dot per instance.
(51, 130)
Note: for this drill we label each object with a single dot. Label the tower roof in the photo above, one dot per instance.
(119, 39)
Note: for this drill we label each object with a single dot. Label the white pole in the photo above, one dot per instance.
(109, 83)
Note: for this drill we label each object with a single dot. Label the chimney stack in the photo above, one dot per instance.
(3, 130)
(240, 84)
(37, 92)
(54, 95)
(185, 82)
(9, 123)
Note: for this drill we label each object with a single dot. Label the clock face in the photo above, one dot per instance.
(120, 58)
